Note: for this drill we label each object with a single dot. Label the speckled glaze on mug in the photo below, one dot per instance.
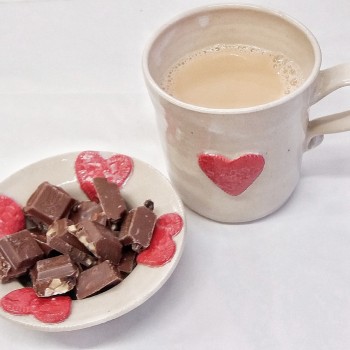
(238, 165)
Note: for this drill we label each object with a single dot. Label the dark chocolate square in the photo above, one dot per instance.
(19, 252)
(47, 204)
(97, 279)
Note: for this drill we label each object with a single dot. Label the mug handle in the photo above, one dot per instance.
(329, 80)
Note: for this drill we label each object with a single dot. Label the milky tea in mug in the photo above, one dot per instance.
(232, 86)
(232, 76)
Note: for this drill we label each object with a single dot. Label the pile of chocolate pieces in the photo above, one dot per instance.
(80, 248)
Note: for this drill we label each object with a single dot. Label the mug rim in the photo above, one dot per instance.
(223, 111)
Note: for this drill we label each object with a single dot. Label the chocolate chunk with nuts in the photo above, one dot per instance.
(54, 276)
(60, 237)
(99, 240)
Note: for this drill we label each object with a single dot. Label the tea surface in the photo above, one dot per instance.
(232, 76)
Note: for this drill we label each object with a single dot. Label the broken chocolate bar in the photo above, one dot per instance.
(47, 204)
(18, 253)
(41, 239)
(99, 240)
(86, 210)
(127, 262)
(97, 279)
(60, 239)
(54, 276)
(137, 228)
(7, 272)
(112, 202)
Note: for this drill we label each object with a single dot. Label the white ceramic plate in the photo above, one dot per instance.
(144, 183)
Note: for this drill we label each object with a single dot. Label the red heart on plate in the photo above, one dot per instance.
(24, 301)
(162, 247)
(18, 302)
(90, 164)
(11, 216)
(233, 176)
(51, 310)
(171, 223)
(160, 251)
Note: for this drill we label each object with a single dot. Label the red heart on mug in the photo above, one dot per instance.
(90, 164)
(233, 176)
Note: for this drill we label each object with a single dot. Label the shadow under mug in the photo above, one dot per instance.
(238, 165)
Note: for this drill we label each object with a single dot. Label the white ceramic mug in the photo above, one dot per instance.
(237, 165)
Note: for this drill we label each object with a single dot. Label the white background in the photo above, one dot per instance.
(71, 79)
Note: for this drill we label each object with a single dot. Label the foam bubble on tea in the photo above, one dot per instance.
(232, 76)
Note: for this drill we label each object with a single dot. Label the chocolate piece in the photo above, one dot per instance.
(86, 210)
(7, 273)
(101, 218)
(41, 239)
(137, 228)
(97, 279)
(127, 262)
(5, 268)
(18, 253)
(60, 237)
(149, 204)
(47, 204)
(54, 276)
(99, 240)
(110, 198)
